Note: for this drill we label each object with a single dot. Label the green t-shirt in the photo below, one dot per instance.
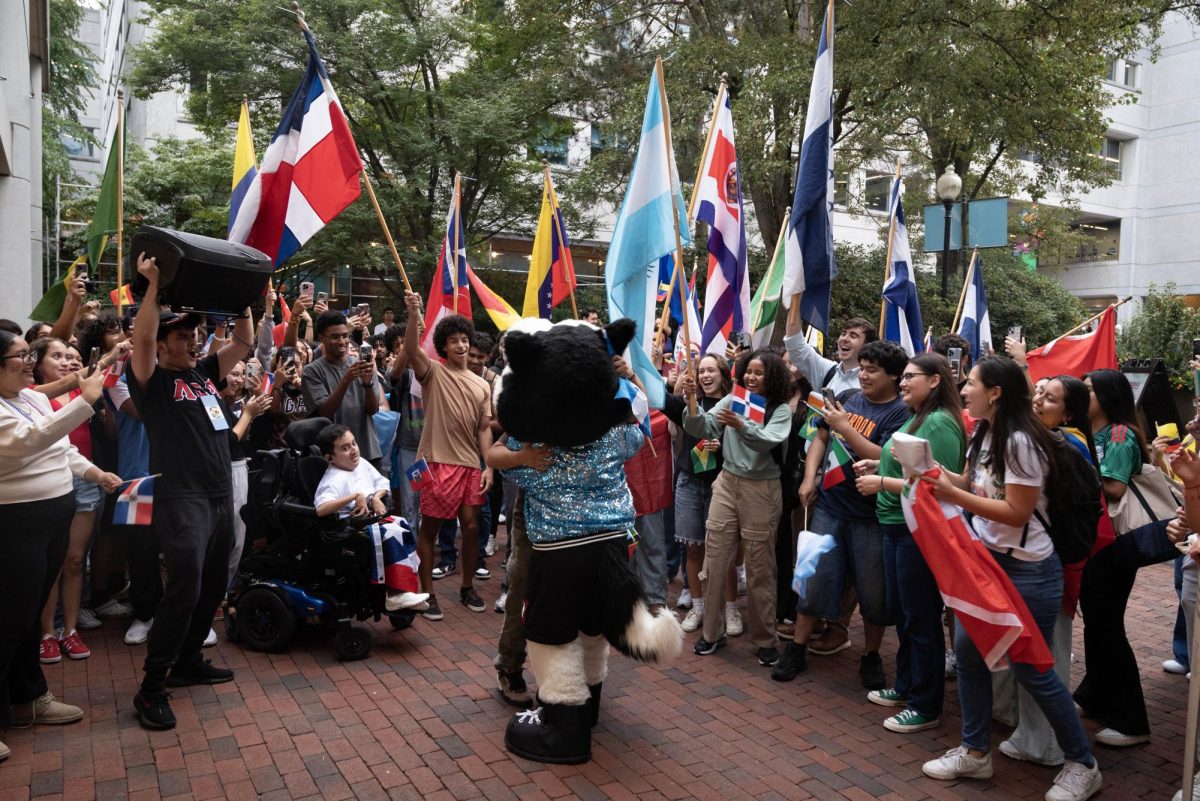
(1119, 452)
(945, 436)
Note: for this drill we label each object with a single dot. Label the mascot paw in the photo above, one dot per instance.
(554, 733)
(652, 638)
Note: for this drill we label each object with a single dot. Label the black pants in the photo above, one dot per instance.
(195, 535)
(32, 550)
(1112, 688)
(145, 577)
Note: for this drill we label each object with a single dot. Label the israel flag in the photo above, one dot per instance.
(901, 309)
(976, 325)
(645, 231)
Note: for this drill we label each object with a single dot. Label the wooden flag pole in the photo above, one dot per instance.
(387, 234)
(887, 267)
(756, 314)
(561, 238)
(1096, 316)
(962, 296)
(120, 145)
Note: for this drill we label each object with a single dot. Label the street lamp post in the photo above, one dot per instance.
(948, 187)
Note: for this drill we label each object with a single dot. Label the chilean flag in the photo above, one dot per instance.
(309, 173)
(450, 289)
(135, 505)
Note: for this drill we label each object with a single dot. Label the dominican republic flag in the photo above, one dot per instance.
(394, 559)
(901, 309)
(719, 204)
(811, 266)
(551, 271)
(976, 324)
(309, 172)
(450, 289)
(419, 475)
(749, 405)
(112, 374)
(1079, 353)
(981, 594)
(839, 465)
(135, 504)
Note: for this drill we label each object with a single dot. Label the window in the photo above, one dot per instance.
(1110, 154)
(551, 141)
(1123, 72)
(603, 138)
(1102, 241)
(1130, 74)
(876, 189)
(841, 190)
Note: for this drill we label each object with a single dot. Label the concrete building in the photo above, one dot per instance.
(24, 77)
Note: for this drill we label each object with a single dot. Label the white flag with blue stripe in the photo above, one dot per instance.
(645, 232)
(901, 308)
(976, 325)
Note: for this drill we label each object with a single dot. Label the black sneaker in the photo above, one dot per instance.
(767, 657)
(443, 569)
(704, 647)
(870, 669)
(199, 672)
(434, 612)
(154, 711)
(793, 662)
(471, 599)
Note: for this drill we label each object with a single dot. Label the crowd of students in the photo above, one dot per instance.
(721, 499)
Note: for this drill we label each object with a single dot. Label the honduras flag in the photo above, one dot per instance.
(244, 165)
(645, 231)
(901, 309)
(810, 264)
(976, 325)
(309, 172)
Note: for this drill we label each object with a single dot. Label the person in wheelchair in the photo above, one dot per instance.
(352, 487)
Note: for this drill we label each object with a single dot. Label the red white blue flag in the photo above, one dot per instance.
(450, 289)
(135, 505)
(419, 475)
(749, 405)
(309, 172)
(394, 559)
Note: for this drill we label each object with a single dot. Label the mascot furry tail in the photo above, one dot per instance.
(628, 624)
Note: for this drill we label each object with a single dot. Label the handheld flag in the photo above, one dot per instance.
(976, 323)
(449, 291)
(765, 305)
(645, 230)
(135, 505)
(666, 266)
(551, 271)
(811, 266)
(901, 308)
(245, 166)
(638, 403)
(702, 460)
(808, 429)
(394, 559)
(112, 374)
(839, 466)
(718, 202)
(122, 295)
(309, 172)
(50, 307)
(268, 383)
(810, 547)
(497, 307)
(749, 405)
(1079, 353)
(419, 475)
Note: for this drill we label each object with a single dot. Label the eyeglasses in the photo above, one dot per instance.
(26, 357)
(911, 376)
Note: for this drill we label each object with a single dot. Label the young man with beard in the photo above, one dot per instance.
(175, 393)
(343, 389)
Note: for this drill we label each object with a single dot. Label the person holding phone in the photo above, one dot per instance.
(341, 386)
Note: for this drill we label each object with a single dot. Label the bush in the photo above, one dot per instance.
(1163, 328)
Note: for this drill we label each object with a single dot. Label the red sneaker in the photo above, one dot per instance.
(73, 646)
(48, 651)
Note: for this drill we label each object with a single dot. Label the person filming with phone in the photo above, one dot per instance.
(341, 385)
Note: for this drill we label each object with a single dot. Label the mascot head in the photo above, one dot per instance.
(559, 386)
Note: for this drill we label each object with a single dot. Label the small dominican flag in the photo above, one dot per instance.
(112, 375)
(749, 405)
(135, 504)
(419, 475)
(838, 464)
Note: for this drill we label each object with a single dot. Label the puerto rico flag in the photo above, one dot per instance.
(749, 405)
(309, 172)
(419, 476)
(719, 204)
(450, 289)
(394, 559)
(135, 504)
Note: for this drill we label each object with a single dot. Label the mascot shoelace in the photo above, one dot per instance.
(560, 390)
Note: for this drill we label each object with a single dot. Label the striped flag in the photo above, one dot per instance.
(394, 559)
(497, 308)
(135, 505)
(976, 324)
(245, 166)
(839, 465)
(551, 271)
(719, 204)
(309, 172)
(684, 287)
(749, 405)
(449, 291)
(112, 374)
(901, 308)
(121, 296)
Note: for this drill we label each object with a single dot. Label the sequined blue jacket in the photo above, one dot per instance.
(583, 493)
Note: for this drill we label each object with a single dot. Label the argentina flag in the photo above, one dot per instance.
(901, 308)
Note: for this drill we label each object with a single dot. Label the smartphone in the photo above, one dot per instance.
(88, 286)
(830, 396)
(740, 339)
(306, 288)
(366, 352)
(363, 309)
(1196, 348)
(954, 356)
(289, 367)
(322, 297)
(251, 371)
(93, 360)
(1014, 333)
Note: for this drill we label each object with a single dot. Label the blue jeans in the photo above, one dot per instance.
(858, 554)
(915, 603)
(1179, 639)
(650, 557)
(1040, 585)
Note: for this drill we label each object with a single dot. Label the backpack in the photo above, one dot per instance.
(1074, 504)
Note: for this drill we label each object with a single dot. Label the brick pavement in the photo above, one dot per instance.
(419, 719)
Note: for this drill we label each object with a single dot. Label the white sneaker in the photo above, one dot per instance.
(139, 632)
(1013, 751)
(112, 608)
(87, 620)
(1195, 790)
(685, 599)
(211, 639)
(405, 600)
(951, 665)
(958, 764)
(502, 601)
(490, 548)
(501, 519)
(1170, 666)
(733, 622)
(1116, 739)
(1075, 782)
(693, 619)
(741, 580)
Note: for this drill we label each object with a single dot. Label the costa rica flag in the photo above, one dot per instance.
(749, 405)
(135, 505)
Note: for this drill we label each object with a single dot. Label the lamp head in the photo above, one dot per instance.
(949, 185)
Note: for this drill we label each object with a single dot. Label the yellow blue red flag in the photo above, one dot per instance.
(245, 167)
(551, 272)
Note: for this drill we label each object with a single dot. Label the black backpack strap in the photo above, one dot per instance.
(828, 377)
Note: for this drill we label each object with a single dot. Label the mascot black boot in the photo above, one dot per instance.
(559, 731)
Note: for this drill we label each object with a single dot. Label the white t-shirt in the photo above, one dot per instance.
(1032, 544)
(381, 329)
(338, 483)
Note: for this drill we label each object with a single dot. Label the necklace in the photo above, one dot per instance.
(16, 408)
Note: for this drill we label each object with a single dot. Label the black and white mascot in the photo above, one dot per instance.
(560, 390)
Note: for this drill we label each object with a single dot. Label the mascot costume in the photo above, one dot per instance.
(560, 390)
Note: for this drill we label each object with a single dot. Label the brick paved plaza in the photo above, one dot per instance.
(420, 719)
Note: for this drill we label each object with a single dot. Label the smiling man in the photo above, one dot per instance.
(839, 375)
(341, 387)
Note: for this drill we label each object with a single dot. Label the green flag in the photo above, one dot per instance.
(104, 222)
(50, 307)
(765, 305)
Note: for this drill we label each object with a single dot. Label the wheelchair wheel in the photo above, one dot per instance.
(352, 643)
(402, 619)
(264, 621)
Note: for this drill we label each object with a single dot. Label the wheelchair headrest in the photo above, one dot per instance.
(311, 471)
(302, 434)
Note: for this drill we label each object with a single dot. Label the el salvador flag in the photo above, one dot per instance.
(810, 266)
(976, 324)
(645, 231)
(902, 310)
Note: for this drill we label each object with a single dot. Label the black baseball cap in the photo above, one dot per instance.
(169, 320)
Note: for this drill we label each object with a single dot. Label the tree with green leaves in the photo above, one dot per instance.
(1163, 328)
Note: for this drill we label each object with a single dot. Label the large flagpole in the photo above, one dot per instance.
(887, 266)
(457, 227)
(120, 145)
(554, 222)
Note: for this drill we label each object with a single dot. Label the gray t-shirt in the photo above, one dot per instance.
(319, 380)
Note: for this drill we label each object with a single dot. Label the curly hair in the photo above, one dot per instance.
(91, 333)
(448, 327)
(776, 379)
(887, 356)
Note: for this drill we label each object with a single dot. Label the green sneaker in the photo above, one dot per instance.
(908, 721)
(887, 697)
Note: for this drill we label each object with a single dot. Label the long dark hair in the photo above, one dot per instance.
(1076, 400)
(41, 347)
(1014, 414)
(1115, 396)
(943, 396)
(775, 375)
(92, 332)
